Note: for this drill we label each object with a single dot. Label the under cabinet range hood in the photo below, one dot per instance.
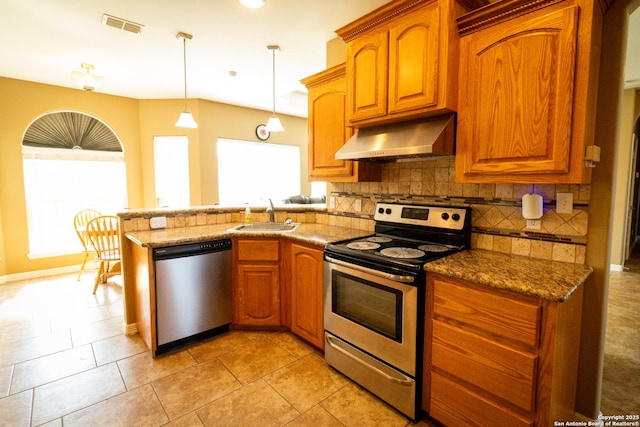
(432, 137)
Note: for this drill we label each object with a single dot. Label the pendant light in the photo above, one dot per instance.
(186, 119)
(274, 125)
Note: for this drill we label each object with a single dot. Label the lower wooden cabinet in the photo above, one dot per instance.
(256, 290)
(493, 357)
(306, 269)
(278, 284)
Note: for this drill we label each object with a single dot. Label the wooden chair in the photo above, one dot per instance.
(104, 234)
(80, 224)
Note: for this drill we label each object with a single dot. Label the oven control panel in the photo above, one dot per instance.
(452, 218)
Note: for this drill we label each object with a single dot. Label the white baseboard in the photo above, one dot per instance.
(616, 267)
(27, 275)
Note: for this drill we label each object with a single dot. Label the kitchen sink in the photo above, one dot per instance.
(278, 227)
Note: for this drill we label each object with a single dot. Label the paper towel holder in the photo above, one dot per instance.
(532, 210)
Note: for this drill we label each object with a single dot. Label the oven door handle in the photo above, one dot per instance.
(394, 277)
(400, 381)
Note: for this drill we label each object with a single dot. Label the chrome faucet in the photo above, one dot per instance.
(272, 213)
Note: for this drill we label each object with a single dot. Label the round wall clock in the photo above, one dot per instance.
(262, 133)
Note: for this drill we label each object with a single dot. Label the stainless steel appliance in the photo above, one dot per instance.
(193, 291)
(374, 294)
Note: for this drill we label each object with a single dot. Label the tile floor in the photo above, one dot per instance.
(621, 376)
(65, 361)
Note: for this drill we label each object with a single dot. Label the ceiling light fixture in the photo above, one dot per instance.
(85, 79)
(274, 125)
(252, 4)
(186, 119)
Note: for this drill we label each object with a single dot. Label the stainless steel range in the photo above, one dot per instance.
(374, 297)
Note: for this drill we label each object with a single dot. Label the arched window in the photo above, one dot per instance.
(71, 161)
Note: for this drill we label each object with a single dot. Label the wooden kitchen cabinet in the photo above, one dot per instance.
(402, 61)
(328, 131)
(306, 265)
(256, 290)
(528, 87)
(143, 278)
(493, 357)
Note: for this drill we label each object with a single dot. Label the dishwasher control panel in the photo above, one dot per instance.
(192, 249)
(216, 244)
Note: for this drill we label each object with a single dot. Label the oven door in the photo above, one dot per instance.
(373, 311)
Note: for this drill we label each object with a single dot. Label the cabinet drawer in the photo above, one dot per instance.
(258, 250)
(454, 405)
(500, 370)
(495, 314)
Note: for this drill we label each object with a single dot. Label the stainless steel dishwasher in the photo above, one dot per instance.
(193, 292)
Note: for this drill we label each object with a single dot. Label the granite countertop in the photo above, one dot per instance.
(550, 280)
(150, 212)
(318, 234)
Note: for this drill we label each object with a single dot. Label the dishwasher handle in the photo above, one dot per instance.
(191, 249)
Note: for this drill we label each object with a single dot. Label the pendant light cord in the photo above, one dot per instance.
(273, 74)
(184, 62)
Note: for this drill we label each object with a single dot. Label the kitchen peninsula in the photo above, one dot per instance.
(287, 269)
(203, 224)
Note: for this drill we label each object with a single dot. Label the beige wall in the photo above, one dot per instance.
(622, 170)
(336, 52)
(22, 103)
(135, 122)
(215, 120)
(227, 121)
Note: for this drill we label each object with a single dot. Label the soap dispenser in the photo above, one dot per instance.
(247, 215)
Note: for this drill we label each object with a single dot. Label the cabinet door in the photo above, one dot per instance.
(367, 58)
(516, 98)
(306, 294)
(328, 130)
(413, 60)
(258, 295)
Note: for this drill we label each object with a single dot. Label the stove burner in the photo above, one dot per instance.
(433, 248)
(379, 239)
(363, 246)
(400, 252)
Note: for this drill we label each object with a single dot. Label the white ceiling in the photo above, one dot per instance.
(44, 40)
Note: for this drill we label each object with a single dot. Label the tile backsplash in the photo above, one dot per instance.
(497, 219)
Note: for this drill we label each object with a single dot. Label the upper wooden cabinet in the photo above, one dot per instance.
(328, 131)
(527, 95)
(402, 61)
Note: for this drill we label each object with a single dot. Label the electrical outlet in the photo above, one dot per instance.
(357, 206)
(332, 202)
(564, 203)
(158, 222)
(534, 224)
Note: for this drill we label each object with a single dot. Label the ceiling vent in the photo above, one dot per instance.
(122, 24)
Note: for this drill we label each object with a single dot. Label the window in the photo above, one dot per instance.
(171, 171)
(71, 162)
(318, 188)
(252, 172)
